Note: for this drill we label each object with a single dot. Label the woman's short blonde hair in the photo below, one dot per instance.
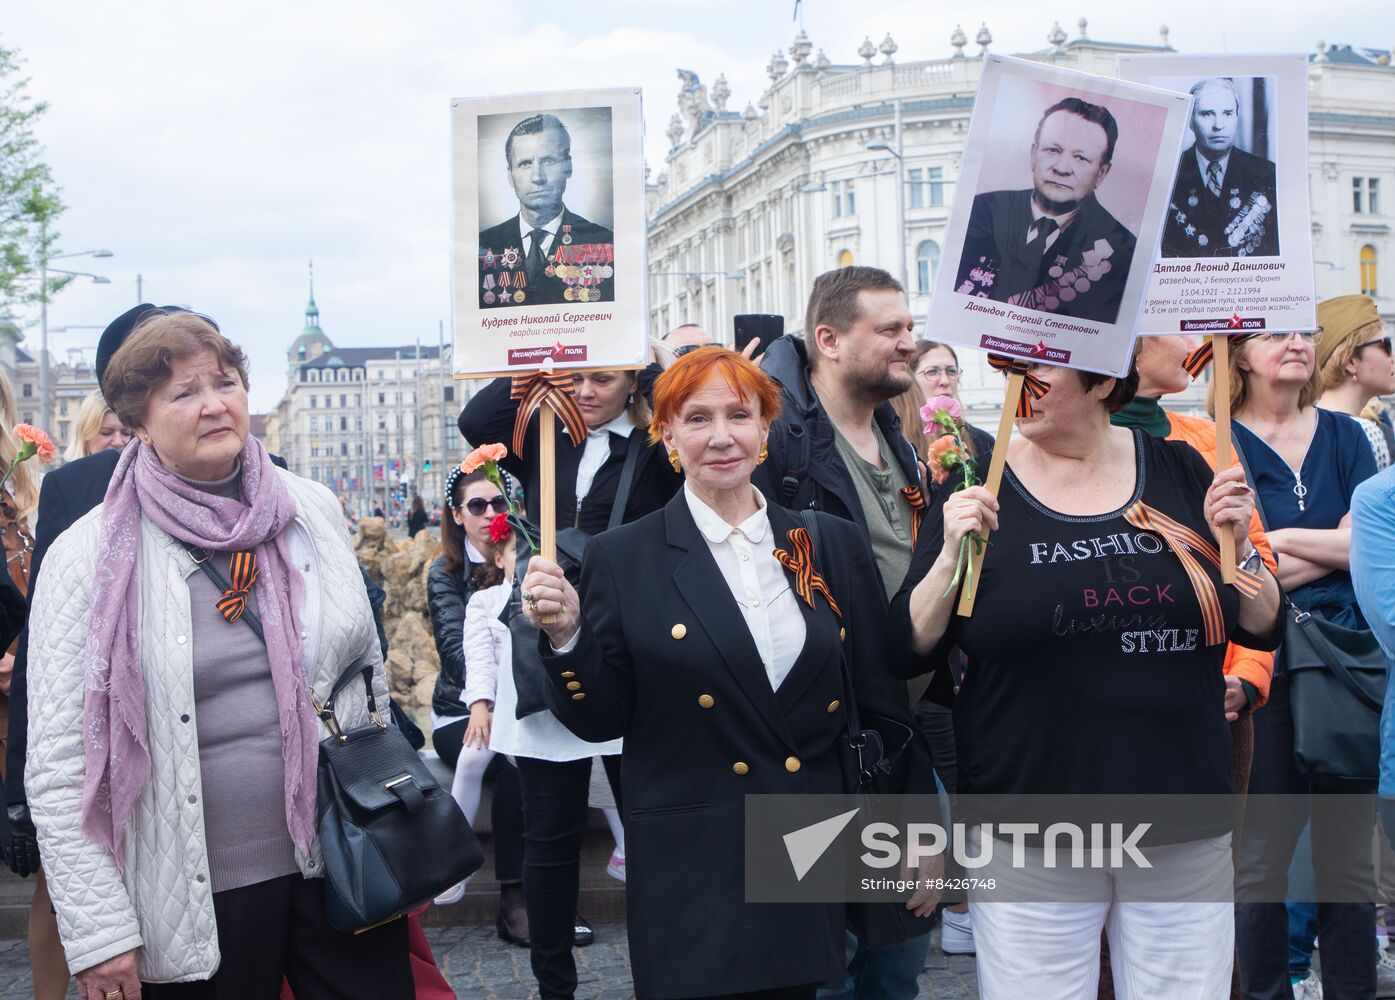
(25, 479)
(143, 362)
(88, 425)
(1240, 382)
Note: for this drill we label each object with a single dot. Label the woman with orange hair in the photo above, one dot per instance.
(712, 639)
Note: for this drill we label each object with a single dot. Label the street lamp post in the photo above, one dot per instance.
(882, 146)
(45, 384)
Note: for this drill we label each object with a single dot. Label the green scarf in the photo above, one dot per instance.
(1144, 413)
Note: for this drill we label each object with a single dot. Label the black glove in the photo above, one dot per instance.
(22, 848)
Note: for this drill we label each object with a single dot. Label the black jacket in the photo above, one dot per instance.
(416, 521)
(997, 262)
(550, 290)
(488, 418)
(446, 596)
(664, 660)
(804, 470)
(1197, 220)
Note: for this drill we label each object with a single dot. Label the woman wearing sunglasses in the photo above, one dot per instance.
(1355, 358)
(471, 502)
(1304, 463)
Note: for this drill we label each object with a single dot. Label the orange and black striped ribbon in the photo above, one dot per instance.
(1187, 546)
(1032, 387)
(243, 572)
(800, 563)
(1198, 359)
(552, 389)
(917, 501)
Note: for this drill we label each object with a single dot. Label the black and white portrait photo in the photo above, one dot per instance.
(548, 251)
(535, 173)
(1225, 201)
(1053, 246)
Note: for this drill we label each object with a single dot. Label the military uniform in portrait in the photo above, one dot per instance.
(1239, 218)
(1011, 255)
(573, 263)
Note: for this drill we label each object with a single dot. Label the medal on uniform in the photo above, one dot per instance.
(569, 293)
(607, 271)
(566, 234)
(489, 259)
(1201, 240)
(509, 258)
(1234, 198)
(1192, 201)
(520, 281)
(489, 295)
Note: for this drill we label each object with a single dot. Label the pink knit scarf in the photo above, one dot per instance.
(117, 754)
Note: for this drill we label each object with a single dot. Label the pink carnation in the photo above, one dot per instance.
(940, 413)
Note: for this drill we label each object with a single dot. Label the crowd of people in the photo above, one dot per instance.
(755, 550)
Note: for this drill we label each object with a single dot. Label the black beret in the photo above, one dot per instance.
(116, 333)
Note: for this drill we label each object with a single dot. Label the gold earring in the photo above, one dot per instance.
(673, 461)
(764, 453)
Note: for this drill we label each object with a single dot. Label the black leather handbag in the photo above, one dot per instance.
(874, 755)
(392, 838)
(528, 677)
(1336, 679)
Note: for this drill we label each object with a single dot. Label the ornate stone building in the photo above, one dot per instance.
(751, 205)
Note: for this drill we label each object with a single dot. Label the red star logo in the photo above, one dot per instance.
(1040, 348)
(558, 350)
(1235, 321)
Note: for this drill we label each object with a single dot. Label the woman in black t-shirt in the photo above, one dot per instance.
(1095, 668)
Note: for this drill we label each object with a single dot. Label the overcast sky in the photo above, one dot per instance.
(216, 147)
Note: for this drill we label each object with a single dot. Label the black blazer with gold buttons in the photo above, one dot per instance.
(665, 660)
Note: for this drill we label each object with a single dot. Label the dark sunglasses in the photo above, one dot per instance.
(477, 505)
(1382, 342)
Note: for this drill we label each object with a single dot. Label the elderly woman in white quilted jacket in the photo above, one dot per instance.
(172, 750)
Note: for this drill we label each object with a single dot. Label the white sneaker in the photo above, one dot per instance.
(956, 933)
(452, 895)
(1308, 988)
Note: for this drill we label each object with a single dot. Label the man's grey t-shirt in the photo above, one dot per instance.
(886, 508)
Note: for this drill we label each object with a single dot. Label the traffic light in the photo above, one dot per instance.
(426, 465)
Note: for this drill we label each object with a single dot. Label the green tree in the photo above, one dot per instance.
(29, 199)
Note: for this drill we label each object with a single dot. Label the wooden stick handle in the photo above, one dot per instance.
(547, 489)
(994, 480)
(1225, 454)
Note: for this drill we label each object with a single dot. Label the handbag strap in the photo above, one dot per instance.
(204, 561)
(324, 710)
(853, 721)
(627, 480)
(1250, 479)
(1331, 656)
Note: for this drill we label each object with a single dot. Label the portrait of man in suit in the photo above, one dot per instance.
(1053, 247)
(1223, 203)
(546, 253)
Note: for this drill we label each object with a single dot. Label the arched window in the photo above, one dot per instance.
(1368, 270)
(845, 258)
(927, 265)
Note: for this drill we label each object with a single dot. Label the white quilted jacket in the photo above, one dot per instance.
(163, 902)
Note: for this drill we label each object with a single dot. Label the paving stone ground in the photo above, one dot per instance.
(481, 967)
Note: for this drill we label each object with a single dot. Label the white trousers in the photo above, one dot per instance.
(1158, 950)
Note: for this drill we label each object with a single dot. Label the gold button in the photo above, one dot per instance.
(568, 673)
(833, 706)
(791, 764)
(740, 767)
(678, 631)
(573, 685)
(579, 696)
(705, 700)
(842, 633)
